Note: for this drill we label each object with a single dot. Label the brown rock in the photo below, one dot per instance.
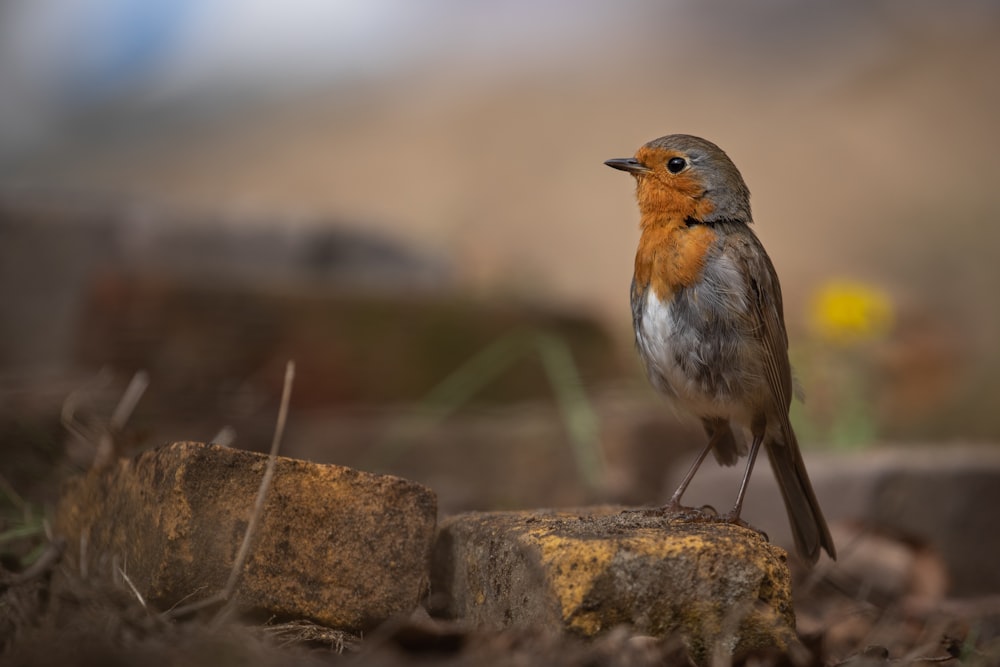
(344, 548)
(719, 586)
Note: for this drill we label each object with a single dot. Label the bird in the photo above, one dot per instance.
(709, 322)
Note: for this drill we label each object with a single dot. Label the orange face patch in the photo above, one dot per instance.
(663, 196)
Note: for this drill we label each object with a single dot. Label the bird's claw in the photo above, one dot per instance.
(703, 514)
(678, 512)
(733, 518)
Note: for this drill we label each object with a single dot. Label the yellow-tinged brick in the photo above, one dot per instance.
(721, 587)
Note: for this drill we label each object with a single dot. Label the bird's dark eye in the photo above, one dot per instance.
(675, 165)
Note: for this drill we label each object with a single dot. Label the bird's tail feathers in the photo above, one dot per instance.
(809, 528)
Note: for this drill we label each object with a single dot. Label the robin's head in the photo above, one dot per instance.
(686, 176)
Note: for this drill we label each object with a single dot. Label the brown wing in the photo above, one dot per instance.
(766, 304)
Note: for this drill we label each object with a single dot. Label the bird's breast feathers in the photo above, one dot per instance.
(697, 343)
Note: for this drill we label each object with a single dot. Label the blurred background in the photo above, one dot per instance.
(409, 200)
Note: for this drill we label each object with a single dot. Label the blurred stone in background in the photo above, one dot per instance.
(70, 261)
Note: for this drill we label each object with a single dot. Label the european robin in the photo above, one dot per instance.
(708, 319)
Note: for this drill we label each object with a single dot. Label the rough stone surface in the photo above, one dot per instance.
(344, 548)
(720, 586)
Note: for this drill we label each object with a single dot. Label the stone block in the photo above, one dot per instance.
(721, 587)
(341, 547)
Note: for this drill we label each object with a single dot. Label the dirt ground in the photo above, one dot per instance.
(51, 615)
(76, 622)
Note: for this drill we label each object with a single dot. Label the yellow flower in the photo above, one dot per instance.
(847, 312)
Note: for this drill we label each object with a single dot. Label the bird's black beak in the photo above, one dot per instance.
(629, 164)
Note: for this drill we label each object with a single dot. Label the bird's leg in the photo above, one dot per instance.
(674, 504)
(734, 514)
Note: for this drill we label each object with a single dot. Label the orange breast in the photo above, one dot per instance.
(672, 257)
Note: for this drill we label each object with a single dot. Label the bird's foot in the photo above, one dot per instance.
(705, 513)
(674, 511)
(734, 518)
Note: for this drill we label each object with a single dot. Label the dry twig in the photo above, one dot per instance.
(135, 591)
